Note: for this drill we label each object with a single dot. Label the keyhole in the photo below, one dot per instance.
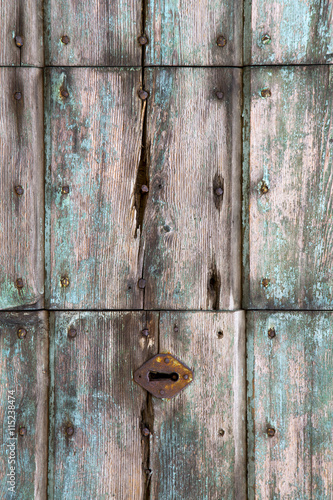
(163, 376)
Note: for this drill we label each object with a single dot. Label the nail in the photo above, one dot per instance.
(21, 333)
(264, 188)
(72, 333)
(64, 281)
(219, 191)
(176, 329)
(162, 392)
(143, 94)
(265, 282)
(65, 39)
(19, 283)
(17, 96)
(64, 93)
(219, 94)
(19, 190)
(69, 430)
(144, 188)
(18, 41)
(22, 431)
(185, 377)
(166, 360)
(143, 40)
(145, 332)
(221, 41)
(142, 283)
(145, 431)
(266, 39)
(270, 432)
(271, 333)
(221, 432)
(265, 93)
(65, 189)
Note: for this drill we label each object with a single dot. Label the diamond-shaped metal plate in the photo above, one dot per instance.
(163, 376)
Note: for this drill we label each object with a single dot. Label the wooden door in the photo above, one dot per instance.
(127, 130)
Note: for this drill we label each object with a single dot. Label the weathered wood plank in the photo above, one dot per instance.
(22, 188)
(198, 445)
(288, 219)
(290, 389)
(280, 32)
(81, 33)
(186, 35)
(25, 21)
(93, 391)
(23, 436)
(191, 231)
(93, 153)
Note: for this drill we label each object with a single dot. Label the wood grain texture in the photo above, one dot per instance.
(290, 388)
(102, 33)
(24, 369)
(288, 230)
(189, 456)
(300, 32)
(24, 19)
(21, 216)
(92, 389)
(185, 34)
(191, 235)
(93, 147)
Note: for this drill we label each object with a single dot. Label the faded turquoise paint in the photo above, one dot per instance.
(290, 381)
(287, 231)
(92, 388)
(187, 36)
(301, 32)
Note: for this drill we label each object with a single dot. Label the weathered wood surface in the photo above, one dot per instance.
(299, 32)
(102, 33)
(22, 166)
(191, 236)
(198, 445)
(93, 147)
(186, 34)
(288, 229)
(24, 20)
(290, 389)
(24, 370)
(92, 389)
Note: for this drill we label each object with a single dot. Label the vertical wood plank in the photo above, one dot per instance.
(93, 151)
(24, 20)
(23, 436)
(299, 32)
(93, 391)
(198, 444)
(288, 188)
(290, 381)
(192, 234)
(99, 34)
(22, 188)
(186, 35)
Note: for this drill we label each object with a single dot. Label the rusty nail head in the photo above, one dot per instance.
(162, 392)
(144, 188)
(219, 94)
(143, 94)
(21, 333)
(142, 283)
(145, 332)
(185, 376)
(265, 282)
(69, 430)
(271, 333)
(143, 40)
(266, 39)
(18, 41)
(219, 191)
(72, 333)
(270, 432)
(64, 281)
(166, 360)
(22, 431)
(264, 188)
(221, 41)
(145, 431)
(266, 93)
(19, 190)
(65, 189)
(64, 93)
(17, 96)
(221, 432)
(65, 39)
(19, 283)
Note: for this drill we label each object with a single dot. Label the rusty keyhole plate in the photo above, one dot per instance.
(163, 376)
